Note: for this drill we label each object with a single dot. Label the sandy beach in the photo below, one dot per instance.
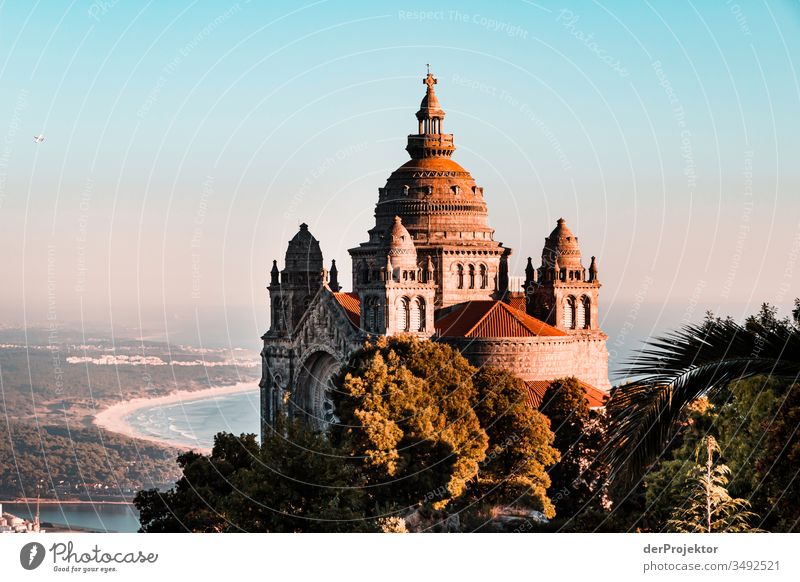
(113, 417)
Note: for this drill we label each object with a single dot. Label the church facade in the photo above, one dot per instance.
(430, 267)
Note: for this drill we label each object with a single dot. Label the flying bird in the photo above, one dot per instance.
(38, 138)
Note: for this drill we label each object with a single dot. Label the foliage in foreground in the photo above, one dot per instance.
(578, 479)
(755, 424)
(520, 448)
(709, 507)
(434, 430)
(294, 482)
(406, 407)
(675, 370)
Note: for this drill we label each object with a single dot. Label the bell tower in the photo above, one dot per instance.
(291, 290)
(560, 292)
(399, 296)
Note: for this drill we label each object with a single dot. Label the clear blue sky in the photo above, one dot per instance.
(184, 143)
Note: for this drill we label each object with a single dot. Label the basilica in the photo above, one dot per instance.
(431, 267)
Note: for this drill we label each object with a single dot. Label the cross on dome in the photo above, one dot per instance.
(430, 80)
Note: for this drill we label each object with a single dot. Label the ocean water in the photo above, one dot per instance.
(194, 423)
(101, 517)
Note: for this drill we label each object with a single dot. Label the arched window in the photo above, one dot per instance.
(279, 314)
(377, 314)
(484, 277)
(363, 272)
(403, 314)
(369, 314)
(569, 312)
(460, 276)
(472, 276)
(414, 319)
(585, 313)
(421, 305)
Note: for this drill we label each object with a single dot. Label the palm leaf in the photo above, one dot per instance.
(676, 369)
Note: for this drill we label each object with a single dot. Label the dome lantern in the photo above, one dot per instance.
(430, 141)
(430, 114)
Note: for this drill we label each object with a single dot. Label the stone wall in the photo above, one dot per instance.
(543, 358)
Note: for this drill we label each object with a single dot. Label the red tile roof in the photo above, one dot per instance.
(351, 305)
(537, 388)
(491, 319)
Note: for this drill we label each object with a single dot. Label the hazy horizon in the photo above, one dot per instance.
(184, 145)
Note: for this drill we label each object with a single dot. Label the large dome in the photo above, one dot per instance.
(436, 198)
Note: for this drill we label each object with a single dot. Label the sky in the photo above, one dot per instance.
(186, 141)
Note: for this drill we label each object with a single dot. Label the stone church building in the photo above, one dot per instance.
(430, 267)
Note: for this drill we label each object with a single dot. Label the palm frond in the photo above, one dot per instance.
(672, 371)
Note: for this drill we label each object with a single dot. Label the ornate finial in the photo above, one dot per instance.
(333, 280)
(275, 274)
(429, 67)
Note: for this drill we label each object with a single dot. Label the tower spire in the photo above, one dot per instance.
(430, 140)
(430, 114)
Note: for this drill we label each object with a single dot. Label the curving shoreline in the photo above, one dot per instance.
(113, 418)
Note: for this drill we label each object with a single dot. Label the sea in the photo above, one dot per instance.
(95, 517)
(194, 423)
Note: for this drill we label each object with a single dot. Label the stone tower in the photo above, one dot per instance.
(291, 290)
(398, 297)
(561, 293)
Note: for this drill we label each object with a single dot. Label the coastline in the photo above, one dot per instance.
(112, 418)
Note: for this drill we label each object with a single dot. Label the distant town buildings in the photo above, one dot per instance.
(12, 524)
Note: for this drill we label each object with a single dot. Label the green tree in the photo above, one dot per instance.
(578, 478)
(666, 484)
(406, 408)
(772, 474)
(674, 370)
(296, 482)
(520, 442)
(299, 482)
(197, 501)
(755, 423)
(709, 507)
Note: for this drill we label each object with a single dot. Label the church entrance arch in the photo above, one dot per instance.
(313, 398)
